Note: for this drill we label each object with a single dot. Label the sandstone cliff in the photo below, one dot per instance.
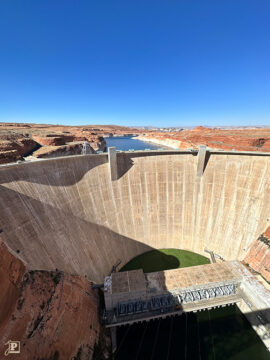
(20, 140)
(54, 315)
(238, 139)
(258, 257)
(14, 147)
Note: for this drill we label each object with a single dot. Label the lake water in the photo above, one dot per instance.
(127, 142)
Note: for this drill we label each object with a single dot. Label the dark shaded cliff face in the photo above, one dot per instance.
(12, 271)
(53, 315)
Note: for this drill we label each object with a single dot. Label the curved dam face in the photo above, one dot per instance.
(66, 213)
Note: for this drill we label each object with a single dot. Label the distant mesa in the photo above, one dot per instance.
(201, 128)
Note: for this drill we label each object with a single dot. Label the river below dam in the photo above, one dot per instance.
(126, 143)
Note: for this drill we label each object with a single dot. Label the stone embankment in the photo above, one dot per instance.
(39, 309)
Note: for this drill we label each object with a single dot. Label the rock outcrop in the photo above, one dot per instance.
(20, 140)
(64, 150)
(54, 315)
(53, 140)
(15, 146)
(258, 257)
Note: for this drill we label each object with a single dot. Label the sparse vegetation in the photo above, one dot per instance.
(42, 305)
(24, 282)
(78, 355)
(20, 303)
(264, 239)
(57, 278)
(101, 351)
(36, 324)
(56, 355)
(254, 271)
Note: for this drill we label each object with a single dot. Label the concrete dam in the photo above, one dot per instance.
(67, 213)
(82, 215)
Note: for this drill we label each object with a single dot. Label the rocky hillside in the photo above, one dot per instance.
(18, 141)
(54, 315)
(238, 139)
(14, 146)
(258, 257)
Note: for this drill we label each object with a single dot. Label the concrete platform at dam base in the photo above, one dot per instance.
(82, 214)
(133, 296)
(133, 285)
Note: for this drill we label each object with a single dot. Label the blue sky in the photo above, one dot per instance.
(135, 62)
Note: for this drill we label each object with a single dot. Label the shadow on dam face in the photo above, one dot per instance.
(125, 161)
(61, 171)
(77, 246)
(58, 173)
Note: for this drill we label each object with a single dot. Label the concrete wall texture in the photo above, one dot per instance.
(67, 213)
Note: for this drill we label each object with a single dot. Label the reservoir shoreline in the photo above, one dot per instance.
(125, 143)
(169, 143)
